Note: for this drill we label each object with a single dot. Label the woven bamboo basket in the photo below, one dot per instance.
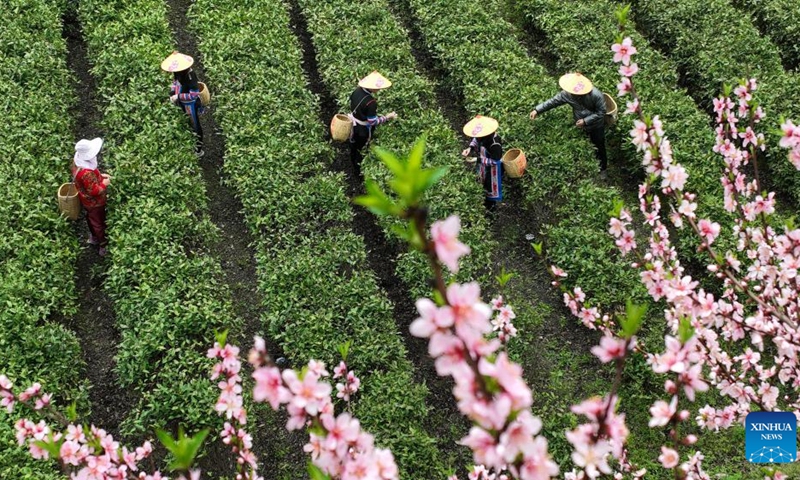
(611, 110)
(341, 126)
(68, 202)
(514, 162)
(205, 95)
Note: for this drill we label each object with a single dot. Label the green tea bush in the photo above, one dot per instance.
(778, 19)
(37, 246)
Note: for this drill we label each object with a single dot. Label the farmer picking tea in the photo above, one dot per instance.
(185, 92)
(588, 111)
(364, 114)
(486, 146)
(92, 185)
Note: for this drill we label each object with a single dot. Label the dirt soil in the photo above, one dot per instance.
(95, 322)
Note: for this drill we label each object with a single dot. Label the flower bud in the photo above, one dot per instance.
(670, 387)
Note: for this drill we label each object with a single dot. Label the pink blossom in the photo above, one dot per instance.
(269, 387)
(610, 348)
(624, 87)
(432, 318)
(661, 412)
(791, 135)
(669, 458)
(69, 453)
(628, 70)
(340, 370)
(692, 381)
(675, 178)
(308, 392)
(445, 239)
(639, 134)
(483, 446)
(687, 208)
(616, 227)
(626, 243)
(32, 391)
(384, 460)
(317, 368)
(467, 307)
(558, 272)
(631, 107)
(593, 458)
(708, 230)
(342, 431)
(623, 51)
(497, 302)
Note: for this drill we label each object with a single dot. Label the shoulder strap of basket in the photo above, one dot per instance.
(360, 102)
(352, 115)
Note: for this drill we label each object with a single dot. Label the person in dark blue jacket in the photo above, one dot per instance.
(588, 111)
(364, 115)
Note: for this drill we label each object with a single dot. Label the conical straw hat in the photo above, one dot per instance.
(375, 81)
(176, 62)
(575, 83)
(480, 126)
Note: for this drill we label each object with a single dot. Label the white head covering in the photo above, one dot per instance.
(86, 152)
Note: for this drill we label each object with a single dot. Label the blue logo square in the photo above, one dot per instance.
(770, 437)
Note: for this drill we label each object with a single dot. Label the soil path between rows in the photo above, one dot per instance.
(236, 253)
(95, 322)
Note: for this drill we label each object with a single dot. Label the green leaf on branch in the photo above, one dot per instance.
(221, 337)
(504, 277)
(685, 330)
(537, 247)
(403, 231)
(622, 15)
(409, 180)
(344, 349)
(617, 208)
(376, 201)
(315, 473)
(184, 448)
(634, 315)
(72, 412)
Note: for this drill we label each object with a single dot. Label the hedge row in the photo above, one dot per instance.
(692, 139)
(37, 246)
(166, 286)
(494, 74)
(382, 44)
(314, 276)
(778, 19)
(690, 32)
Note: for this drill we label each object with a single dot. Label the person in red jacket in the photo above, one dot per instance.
(92, 185)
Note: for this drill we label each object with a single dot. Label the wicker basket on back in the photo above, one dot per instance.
(611, 110)
(68, 202)
(341, 126)
(205, 95)
(514, 162)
